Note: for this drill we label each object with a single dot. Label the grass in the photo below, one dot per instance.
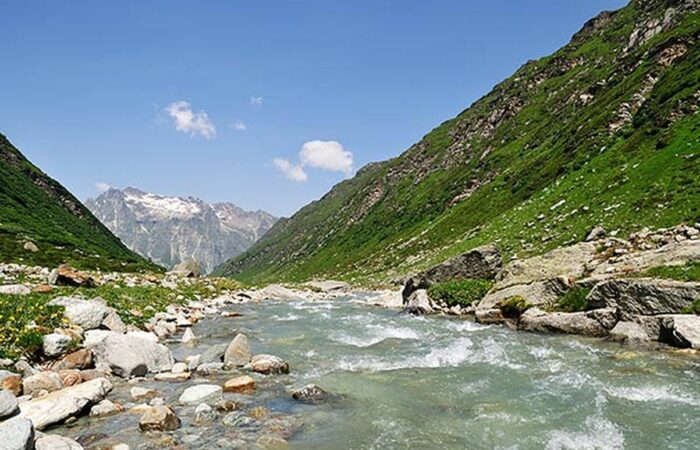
(686, 272)
(574, 300)
(460, 292)
(513, 307)
(25, 319)
(400, 216)
(694, 308)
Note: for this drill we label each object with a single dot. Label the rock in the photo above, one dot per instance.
(88, 314)
(94, 337)
(589, 323)
(79, 359)
(238, 352)
(204, 414)
(310, 394)
(8, 405)
(489, 316)
(240, 385)
(328, 286)
(31, 247)
(113, 322)
(680, 330)
(629, 332)
(673, 254)
(271, 442)
(151, 337)
(138, 393)
(482, 262)
(159, 418)
(214, 354)
(277, 292)
(389, 299)
(42, 381)
(268, 364)
(129, 356)
(193, 361)
(172, 377)
(13, 384)
(54, 442)
(188, 337)
(538, 293)
(635, 297)
(189, 269)
(16, 434)
(105, 408)
(60, 405)
(67, 276)
(15, 289)
(179, 367)
(200, 393)
(164, 329)
(70, 377)
(42, 289)
(56, 344)
(419, 303)
(598, 232)
(207, 368)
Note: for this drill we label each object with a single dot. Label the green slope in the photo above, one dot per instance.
(34, 207)
(605, 131)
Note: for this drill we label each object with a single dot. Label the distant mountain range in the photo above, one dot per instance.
(169, 230)
(41, 223)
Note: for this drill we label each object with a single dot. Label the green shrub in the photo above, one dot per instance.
(573, 301)
(460, 292)
(686, 272)
(24, 319)
(694, 308)
(513, 307)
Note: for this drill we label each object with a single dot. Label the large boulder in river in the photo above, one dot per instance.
(680, 330)
(277, 292)
(419, 303)
(88, 314)
(482, 262)
(60, 405)
(130, 356)
(238, 352)
(635, 297)
(17, 434)
(588, 323)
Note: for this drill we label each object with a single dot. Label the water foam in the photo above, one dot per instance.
(599, 433)
(652, 394)
(374, 335)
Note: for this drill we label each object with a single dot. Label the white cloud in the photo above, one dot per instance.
(189, 121)
(239, 126)
(326, 155)
(256, 101)
(102, 187)
(295, 173)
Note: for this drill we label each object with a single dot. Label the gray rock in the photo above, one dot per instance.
(389, 299)
(268, 364)
(328, 286)
(419, 303)
(188, 337)
(8, 405)
(629, 332)
(42, 381)
(207, 368)
(54, 442)
(188, 268)
(238, 352)
(88, 314)
(538, 293)
(595, 234)
(17, 434)
(482, 262)
(113, 322)
(159, 418)
(589, 323)
(60, 405)
(310, 394)
(104, 408)
(635, 297)
(129, 356)
(200, 393)
(680, 330)
(204, 414)
(56, 344)
(277, 292)
(15, 289)
(214, 354)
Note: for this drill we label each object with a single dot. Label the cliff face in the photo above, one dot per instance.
(170, 230)
(604, 131)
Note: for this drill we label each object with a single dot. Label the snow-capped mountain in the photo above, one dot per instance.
(169, 230)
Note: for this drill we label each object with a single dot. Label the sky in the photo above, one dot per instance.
(266, 104)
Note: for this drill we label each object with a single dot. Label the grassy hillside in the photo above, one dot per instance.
(604, 131)
(36, 208)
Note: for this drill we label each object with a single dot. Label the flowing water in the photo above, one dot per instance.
(433, 382)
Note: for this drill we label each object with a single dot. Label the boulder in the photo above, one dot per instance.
(214, 354)
(419, 303)
(30, 246)
(172, 377)
(159, 418)
(277, 292)
(589, 323)
(113, 322)
(680, 330)
(268, 364)
(70, 377)
(13, 384)
(538, 293)
(129, 356)
(8, 405)
(597, 232)
(328, 286)
(634, 297)
(54, 442)
(238, 352)
(42, 289)
(389, 299)
(489, 316)
(310, 394)
(143, 335)
(240, 385)
(56, 344)
(42, 381)
(16, 434)
(482, 262)
(79, 359)
(105, 408)
(200, 393)
(673, 254)
(188, 337)
(67, 276)
(138, 393)
(204, 414)
(88, 314)
(630, 332)
(60, 405)
(15, 289)
(188, 268)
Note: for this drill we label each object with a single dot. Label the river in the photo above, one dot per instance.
(429, 382)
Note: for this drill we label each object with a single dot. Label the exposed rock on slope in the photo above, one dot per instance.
(170, 230)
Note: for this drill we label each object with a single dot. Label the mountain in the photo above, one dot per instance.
(36, 209)
(169, 230)
(604, 131)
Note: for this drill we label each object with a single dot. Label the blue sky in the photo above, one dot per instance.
(94, 92)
